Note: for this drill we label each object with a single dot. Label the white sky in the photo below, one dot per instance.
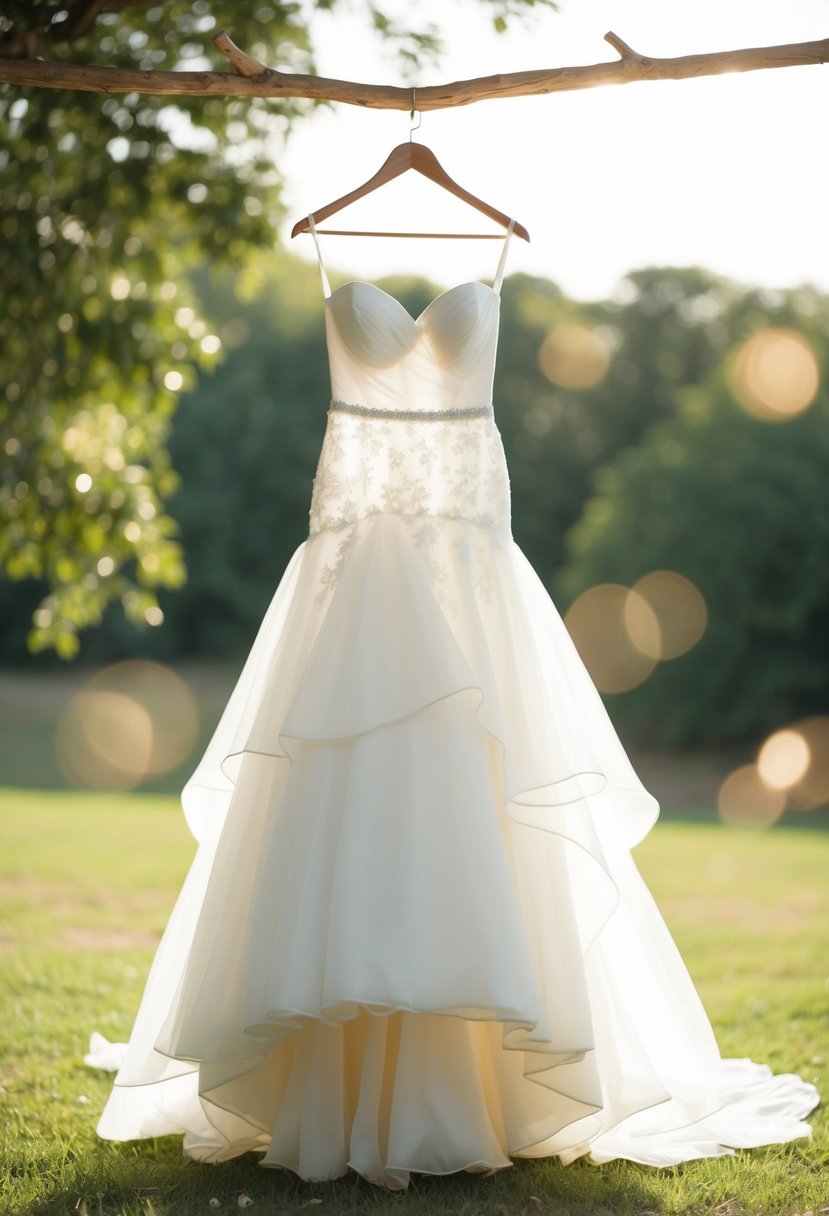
(727, 172)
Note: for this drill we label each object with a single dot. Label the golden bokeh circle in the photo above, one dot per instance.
(775, 374)
(783, 759)
(574, 356)
(679, 609)
(104, 740)
(744, 799)
(812, 789)
(599, 622)
(131, 720)
(642, 625)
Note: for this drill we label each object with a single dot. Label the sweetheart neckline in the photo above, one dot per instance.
(415, 320)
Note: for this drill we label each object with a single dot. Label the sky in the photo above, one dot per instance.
(726, 172)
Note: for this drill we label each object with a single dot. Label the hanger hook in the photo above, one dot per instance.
(414, 110)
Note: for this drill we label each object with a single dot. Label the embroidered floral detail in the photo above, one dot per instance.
(331, 571)
(452, 468)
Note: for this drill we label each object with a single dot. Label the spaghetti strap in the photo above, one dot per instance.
(499, 274)
(326, 286)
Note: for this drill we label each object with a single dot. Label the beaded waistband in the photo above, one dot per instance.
(367, 411)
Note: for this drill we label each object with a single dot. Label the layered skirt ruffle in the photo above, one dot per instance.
(413, 937)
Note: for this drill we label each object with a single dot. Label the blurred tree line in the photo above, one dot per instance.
(653, 465)
(108, 204)
(160, 421)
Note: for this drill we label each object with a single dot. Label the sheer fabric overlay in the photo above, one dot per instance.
(412, 937)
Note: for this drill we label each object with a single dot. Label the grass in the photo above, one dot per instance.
(86, 884)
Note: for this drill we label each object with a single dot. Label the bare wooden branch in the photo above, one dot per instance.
(627, 53)
(243, 63)
(253, 79)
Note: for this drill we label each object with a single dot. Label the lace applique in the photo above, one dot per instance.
(453, 552)
(331, 571)
(452, 468)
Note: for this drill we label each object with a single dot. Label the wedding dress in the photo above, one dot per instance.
(413, 937)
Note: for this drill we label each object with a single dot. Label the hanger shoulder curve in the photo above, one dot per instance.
(422, 159)
(397, 162)
(427, 163)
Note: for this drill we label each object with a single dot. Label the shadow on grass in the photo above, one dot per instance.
(153, 1179)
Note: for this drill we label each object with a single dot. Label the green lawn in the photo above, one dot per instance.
(86, 884)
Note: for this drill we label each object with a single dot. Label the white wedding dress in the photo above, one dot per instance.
(413, 937)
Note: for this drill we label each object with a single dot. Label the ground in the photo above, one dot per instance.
(87, 881)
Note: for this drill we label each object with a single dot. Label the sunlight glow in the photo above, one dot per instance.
(574, 356)
(783, 759)
(679, 610)
(104, 740)
(775, 375)
(744, 799)
(622, 633)
(643, 626)
(609, 187)
(130, 721)
(811, 790)
(599, 624)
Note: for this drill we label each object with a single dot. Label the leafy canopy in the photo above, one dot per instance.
(107, 205)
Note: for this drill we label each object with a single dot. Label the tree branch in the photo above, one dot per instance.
(253, 79)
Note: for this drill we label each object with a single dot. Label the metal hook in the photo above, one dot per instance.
(414, 110)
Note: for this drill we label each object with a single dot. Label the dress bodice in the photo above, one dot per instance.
(410, 430)
(381, 357)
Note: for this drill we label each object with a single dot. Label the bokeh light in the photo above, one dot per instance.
(601, 622)
(811, 789)
(574, 356)
(679, 610)
(775, 374)
(783, 759)
(643, 627)
(622, 633)
(105, 740)
(745, 800)
(131, 721)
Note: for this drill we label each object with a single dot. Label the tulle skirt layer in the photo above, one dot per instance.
(412, 937)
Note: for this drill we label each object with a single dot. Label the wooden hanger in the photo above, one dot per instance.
(415, 156)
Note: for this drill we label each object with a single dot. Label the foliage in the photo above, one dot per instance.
(85, 897)
(108, 203)
(738, 506)
(664, 327)
(246, 445)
